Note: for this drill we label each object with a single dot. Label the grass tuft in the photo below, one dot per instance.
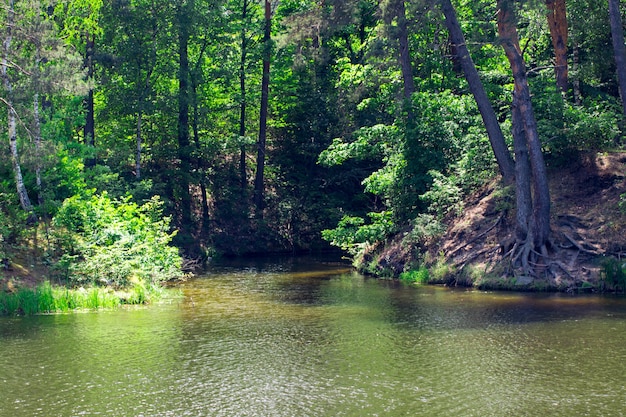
(46, 298)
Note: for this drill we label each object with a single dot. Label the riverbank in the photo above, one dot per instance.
(27, 290)
(588, 229)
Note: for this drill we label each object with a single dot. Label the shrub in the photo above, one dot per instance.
(613, 274)
(112, 242)
(419, 276)
(353, 234)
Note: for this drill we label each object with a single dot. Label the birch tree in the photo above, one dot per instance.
(9, 66)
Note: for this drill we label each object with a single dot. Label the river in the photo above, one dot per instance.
(308, 337)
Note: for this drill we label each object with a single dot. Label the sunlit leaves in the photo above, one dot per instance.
(113, 242)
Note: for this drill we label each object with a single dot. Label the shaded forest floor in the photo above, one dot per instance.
(587, 229)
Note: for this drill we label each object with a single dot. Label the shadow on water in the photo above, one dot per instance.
(320, 281)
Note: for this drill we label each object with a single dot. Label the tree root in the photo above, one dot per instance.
(579, 246)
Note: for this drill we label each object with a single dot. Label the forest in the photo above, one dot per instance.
(143, 137)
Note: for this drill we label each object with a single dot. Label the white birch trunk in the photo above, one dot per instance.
(12, 117)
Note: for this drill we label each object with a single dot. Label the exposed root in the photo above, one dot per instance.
(581, 247)
(191, 264)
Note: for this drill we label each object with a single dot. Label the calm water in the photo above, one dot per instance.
(310, 338)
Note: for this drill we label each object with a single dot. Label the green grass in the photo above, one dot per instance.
(46, 298)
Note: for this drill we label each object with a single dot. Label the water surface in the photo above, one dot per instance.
(304, 337)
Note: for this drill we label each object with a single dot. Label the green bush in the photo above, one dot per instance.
(101, 241)
(419, 276)
(566, 128)
(425, 228)
(613, 274)
(353, 234)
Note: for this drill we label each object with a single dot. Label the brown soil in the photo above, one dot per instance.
(24, 270)
(587, 225)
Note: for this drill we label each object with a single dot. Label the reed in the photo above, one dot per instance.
(46, 298)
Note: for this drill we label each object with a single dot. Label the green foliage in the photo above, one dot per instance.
(418, 276)
(353, 234)
(444, 195)
(622, 203)
(613, 274)
(113, 242)
(424, 228)
(377, 141)
(565, 127)
(441, 271)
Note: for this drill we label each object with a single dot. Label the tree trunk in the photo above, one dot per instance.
(184, 151)
(539, 228)
(242, 103)
(12, 119)
(557, 21)
(196, 138)
(496, 137)
(89, 130)
(405, 56)
(139, 143)
(522, 175)
(576, 81)
(37, 127)
(619, 49)
(259, 186)
(37, 138)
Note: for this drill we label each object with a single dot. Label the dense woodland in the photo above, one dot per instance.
(247, 126)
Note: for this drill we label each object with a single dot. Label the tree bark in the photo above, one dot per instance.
(496, 137)
(89, 130)
(139, 141)
(12, 118)
(619, 49)
(259, 193)
(184, 151)
(523, 196)
(200, 165)
(242, 102)
(404, 53)
(539, 231)
(557, 21)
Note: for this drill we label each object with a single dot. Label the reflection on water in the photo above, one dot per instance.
(300, 337)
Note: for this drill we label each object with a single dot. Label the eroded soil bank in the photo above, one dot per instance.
(588, 233)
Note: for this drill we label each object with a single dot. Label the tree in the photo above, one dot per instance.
(395, 9)
(80, 20)
(496, 137)
(265, 84)
(533, 229)
(557, 21)
(243, 103)
(133, 34)
(619, 49)
(184, 14)
(12, 114)
(35, 63)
